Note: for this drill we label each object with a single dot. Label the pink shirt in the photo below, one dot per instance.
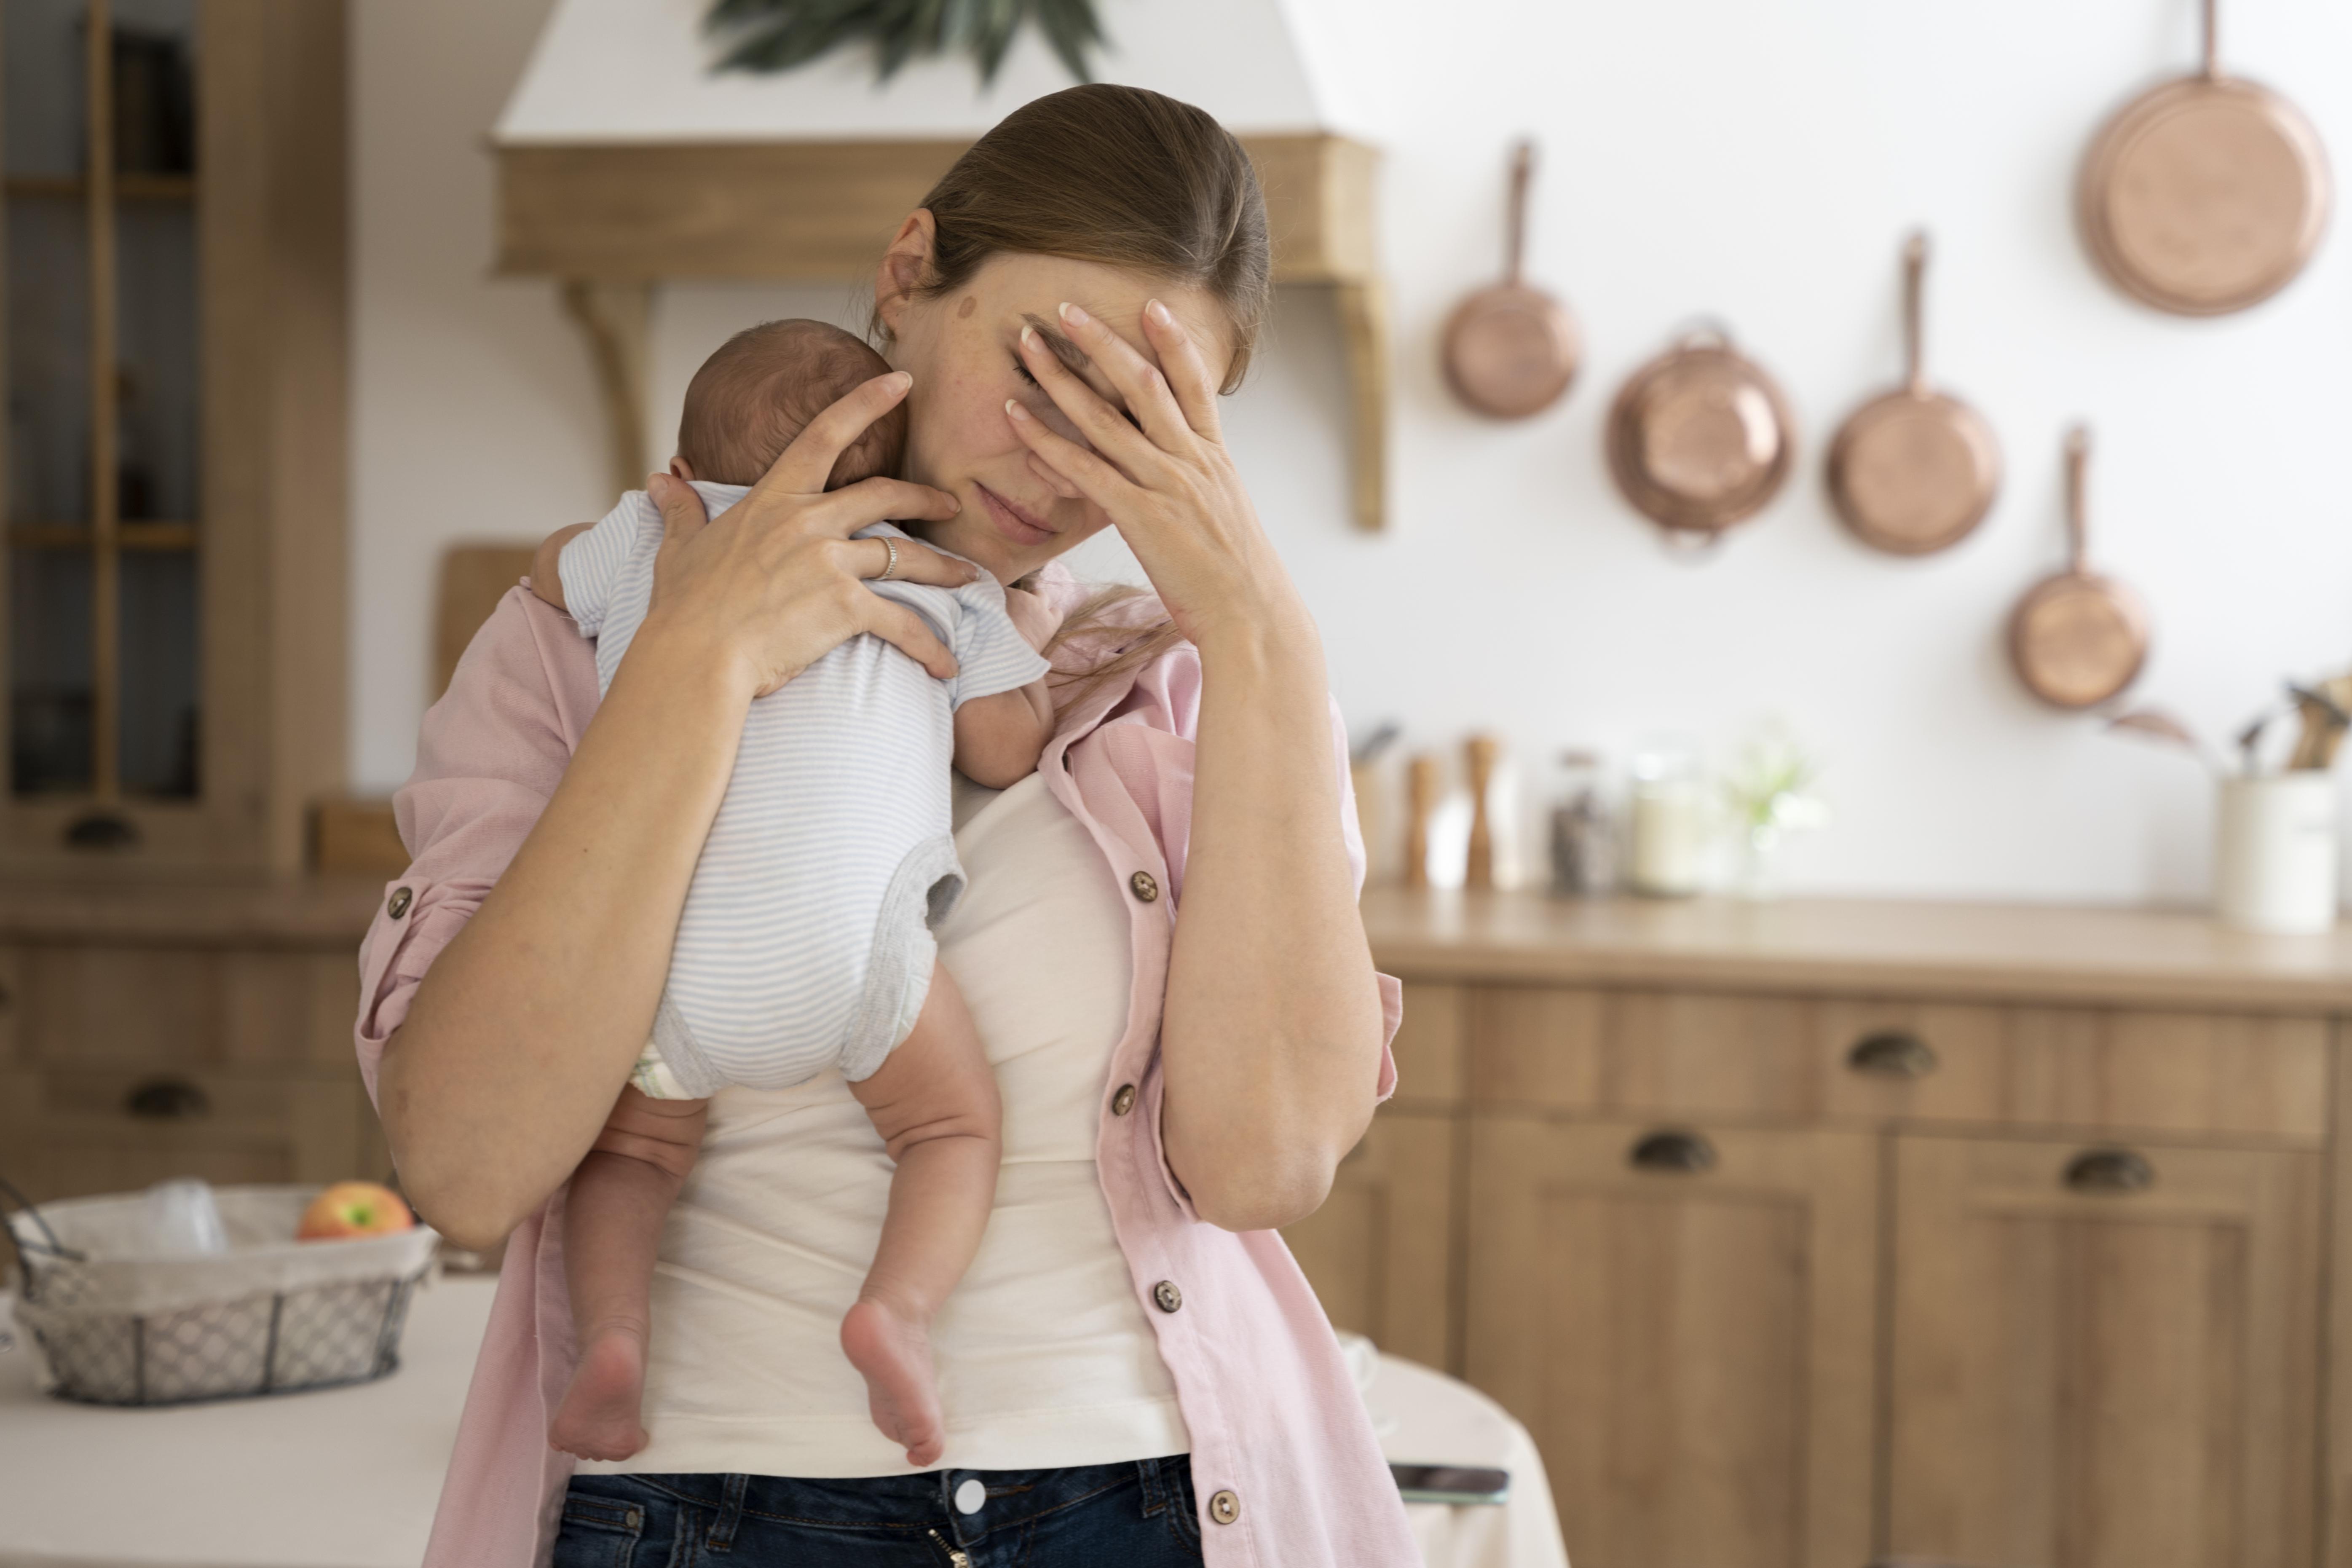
(1273, 1416)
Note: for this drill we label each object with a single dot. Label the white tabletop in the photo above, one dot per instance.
(347, 1478)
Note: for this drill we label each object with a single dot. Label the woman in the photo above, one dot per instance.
(1160, 944)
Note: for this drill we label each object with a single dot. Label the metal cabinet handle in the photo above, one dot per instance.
(2110, 1171)
(1893, 1053)
(168, 1099)
(1673, 1150)
(101, 830)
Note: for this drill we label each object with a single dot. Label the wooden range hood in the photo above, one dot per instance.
(692, 177)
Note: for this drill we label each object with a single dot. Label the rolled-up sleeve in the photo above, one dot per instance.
(488, 756)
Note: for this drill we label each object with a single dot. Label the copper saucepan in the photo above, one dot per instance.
(2078, 638)
(1914, 470)
(1700, 438)
(2206, 194)
(1512, 350)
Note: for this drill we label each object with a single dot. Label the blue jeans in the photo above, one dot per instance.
(1139, 1514)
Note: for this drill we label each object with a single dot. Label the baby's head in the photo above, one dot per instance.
(762, 387)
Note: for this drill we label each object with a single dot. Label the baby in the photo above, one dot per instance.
(804, 942)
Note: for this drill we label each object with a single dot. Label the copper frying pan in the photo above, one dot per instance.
(2078, 638)
(1699, 438)
(2206, 194)
(1914, 470)
(1512, 350)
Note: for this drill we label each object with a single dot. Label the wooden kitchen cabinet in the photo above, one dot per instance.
(2103, 1354)
(1880, 1321)
(1682, 1315)
(1380, 1250)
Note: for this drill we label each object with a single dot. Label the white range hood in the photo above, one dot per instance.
(623, 159)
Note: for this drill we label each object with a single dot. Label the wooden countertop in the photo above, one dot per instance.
(302, 911)
(1855, 947)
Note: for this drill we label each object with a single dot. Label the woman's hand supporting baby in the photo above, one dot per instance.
(1270, 1041)
(524, 1030)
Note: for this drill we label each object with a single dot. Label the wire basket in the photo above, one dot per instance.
(270, 1316)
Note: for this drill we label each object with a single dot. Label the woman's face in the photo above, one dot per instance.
(961, 348)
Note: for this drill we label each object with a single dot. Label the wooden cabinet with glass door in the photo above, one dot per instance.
(174, 462)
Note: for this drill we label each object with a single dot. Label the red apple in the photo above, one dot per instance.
(353, 1208)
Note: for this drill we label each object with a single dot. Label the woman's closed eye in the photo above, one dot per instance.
(1120, 409)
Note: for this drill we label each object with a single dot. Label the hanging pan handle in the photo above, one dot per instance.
(1523, 168)
(1914, 273)
(2210, 12)
(2078, 463)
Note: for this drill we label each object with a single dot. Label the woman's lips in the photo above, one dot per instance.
(1016, 523)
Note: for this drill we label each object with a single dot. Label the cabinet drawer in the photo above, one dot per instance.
(65, 1132)
(2213, 1073)
(1796, 1059)
(196, 1007)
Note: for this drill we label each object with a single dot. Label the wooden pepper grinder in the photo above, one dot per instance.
(1422, 788)
(1480, 752)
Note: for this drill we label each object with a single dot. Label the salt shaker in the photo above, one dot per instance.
(1583, 835)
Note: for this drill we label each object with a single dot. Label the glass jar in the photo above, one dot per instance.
(1583, 830)
(1669, 821)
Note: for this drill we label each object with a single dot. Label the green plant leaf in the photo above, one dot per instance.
(769, 36)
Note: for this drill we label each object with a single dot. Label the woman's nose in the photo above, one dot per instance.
(1035, 400)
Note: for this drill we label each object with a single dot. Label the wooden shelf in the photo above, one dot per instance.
(151, 536)
(613, 219)
(127, 187)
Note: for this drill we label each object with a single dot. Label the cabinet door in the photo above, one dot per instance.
(2104, 1356)
(1379, 1251)
(1683, 1319)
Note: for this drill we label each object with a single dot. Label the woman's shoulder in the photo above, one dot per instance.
(528, 679)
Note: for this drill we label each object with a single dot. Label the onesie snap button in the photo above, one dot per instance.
(1166, 1297)
(972, 1495)
(1225, 1507)
(1144, 886)
(397, 905)
(1124, 1101)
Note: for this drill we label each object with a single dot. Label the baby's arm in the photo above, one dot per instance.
(998, 738)
(546, 581)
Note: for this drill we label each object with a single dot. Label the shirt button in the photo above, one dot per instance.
(1144, 886)
(1225, 1507)
(397, 905)
(970, 1496)
(1166, 1297)
(1124, 1101)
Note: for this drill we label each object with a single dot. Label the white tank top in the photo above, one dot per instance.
(1044, 1353)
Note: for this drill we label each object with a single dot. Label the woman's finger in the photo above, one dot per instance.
(1060, 485)
(1106, 429)
(907, 632)
(682, 512)
(844, 512)
(907, 562)
(1187, 371)
(802, 467)
(1138, 379)
(1098, 481)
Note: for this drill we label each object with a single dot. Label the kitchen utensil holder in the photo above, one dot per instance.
(272, 1316)
(2275, 852)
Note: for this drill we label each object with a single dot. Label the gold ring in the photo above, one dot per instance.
(891, 566)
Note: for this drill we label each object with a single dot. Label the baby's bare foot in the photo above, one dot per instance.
(599, 1416)
(894, 1355)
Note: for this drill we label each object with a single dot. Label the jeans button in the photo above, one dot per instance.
(972, 1495)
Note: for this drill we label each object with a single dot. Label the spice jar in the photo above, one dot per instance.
(1583, 830)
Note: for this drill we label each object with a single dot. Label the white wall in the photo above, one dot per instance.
(1758, 163)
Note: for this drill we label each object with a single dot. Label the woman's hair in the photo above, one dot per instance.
(1120, 175)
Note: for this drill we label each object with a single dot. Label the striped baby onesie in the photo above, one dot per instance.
(806, 940)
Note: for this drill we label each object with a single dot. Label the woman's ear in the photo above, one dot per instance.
(905, 268)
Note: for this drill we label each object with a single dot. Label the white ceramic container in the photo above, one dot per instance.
(2275, 853)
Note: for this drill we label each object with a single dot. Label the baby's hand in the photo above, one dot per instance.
(545, 580)
(1034, 616)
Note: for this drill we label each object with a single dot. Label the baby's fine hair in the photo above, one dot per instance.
(762, 388)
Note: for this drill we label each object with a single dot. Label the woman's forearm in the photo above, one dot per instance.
(522, 1032)
(1272, 1036)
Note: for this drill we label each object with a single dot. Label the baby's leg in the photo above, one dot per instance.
(611, 1225)
(934, 1102)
